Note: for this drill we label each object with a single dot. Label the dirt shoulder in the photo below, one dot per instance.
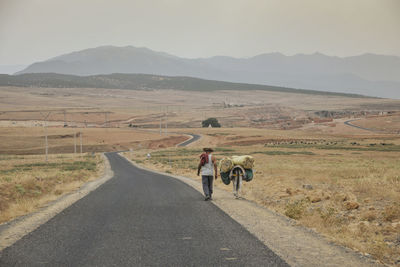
(14, 230)
(297, 245)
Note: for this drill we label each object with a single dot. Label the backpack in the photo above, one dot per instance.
(225, 177)
(203, 159)
(249, 175)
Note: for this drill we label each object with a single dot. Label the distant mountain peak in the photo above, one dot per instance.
(267, 55)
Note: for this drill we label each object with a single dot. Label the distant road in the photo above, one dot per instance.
(194, 138)
(359, 127)
(139, 218)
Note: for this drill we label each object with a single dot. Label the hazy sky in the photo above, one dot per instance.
(32, 30)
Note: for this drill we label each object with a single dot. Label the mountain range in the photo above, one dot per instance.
(367, 74)
(130, 81)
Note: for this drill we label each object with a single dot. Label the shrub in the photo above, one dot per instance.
(391, 213)
(295, 209)
(368, 216)
(20, 189)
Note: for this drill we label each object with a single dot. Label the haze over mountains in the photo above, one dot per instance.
(368, 74)
(10, 69)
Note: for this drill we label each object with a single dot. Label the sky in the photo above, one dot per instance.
(36, 30)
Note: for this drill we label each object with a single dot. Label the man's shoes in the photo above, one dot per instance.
(210, 198)
(207, 198)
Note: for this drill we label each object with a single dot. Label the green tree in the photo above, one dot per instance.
(210, 121)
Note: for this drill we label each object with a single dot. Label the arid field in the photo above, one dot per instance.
(28, 182)
(342, 180)
(178, 109)
(348, 192)
(31, 140)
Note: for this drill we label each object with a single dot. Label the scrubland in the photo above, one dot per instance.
(388, 123)
(28, 182)
(346, 190)
(341, 181)
(31, 140)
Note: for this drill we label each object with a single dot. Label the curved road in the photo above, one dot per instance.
(358, 127)
(194, 138)
(139, 218)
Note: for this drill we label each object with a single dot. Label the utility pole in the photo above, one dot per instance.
(160, 125)
(74, 142)
(47, 144)
(161, 117)
(80, 135)
(65, 118)
(166, 121)
(45, 116)
(105, 117)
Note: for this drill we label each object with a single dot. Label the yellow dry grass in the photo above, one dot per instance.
(31, 140)
(349, 194)
(28, 182)
(342, 176)
(389, 123)
(144, 108)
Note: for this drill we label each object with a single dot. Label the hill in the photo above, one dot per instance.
(140, 82)
(368, 74)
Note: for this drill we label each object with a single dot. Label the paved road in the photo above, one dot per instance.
(194, 138)
(358, 127)
(140, 219)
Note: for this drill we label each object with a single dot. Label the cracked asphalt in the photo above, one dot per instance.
(139, 218)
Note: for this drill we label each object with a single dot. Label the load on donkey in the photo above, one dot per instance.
(236, 169)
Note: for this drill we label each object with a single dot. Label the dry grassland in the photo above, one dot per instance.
(386, 123)
(145, 108)
(348, 192)
(339, 180)
(31, 140)
(28, 182)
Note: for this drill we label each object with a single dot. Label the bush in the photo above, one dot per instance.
(211, 121)
(20, 189)
(391, 213)
(295, 209)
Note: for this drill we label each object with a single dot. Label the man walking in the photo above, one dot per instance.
(208, 166)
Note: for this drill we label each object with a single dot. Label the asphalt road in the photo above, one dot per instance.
(194, 139)
(139, 218)
(358, 127)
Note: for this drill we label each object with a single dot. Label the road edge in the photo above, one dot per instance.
(191, 137)
(310, 255)
(12, 231)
